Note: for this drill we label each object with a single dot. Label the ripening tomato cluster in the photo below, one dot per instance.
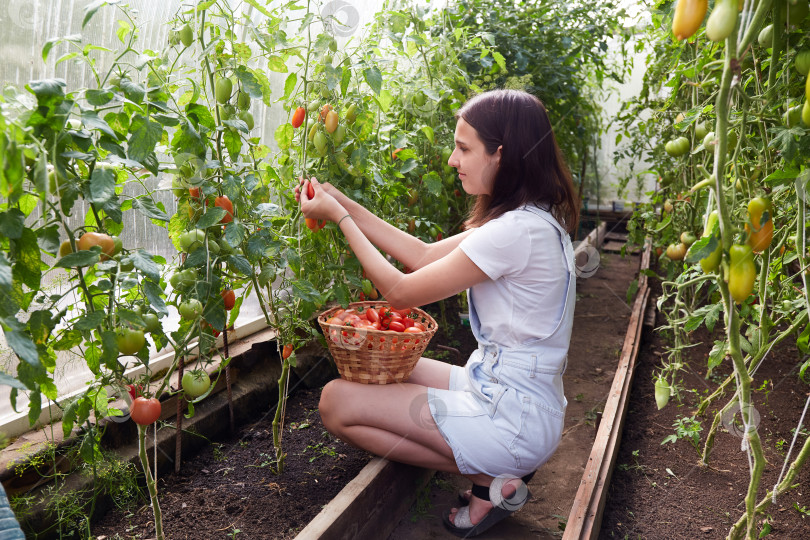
(384, 318)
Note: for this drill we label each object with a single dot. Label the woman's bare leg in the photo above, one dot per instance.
(432, 373)
(392, 421)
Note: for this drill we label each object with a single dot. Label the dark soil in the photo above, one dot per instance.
(659, 491)
(231, 485)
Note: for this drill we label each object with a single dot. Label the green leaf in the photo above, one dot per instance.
(146, 206)
(90, 321)
(428, 131)
(45, 88)
(284, 135)
(802, 341)
(702, 248)
(145, 135)
(433, 182)
(154, 294)
(23, 347)
(90, 10)
(99, 97)
(373, 77)
(248, 82)
(34, 407)
(239, 264)
(333, 76)
(276, 63)
(102, 186)
(46, 49)
(28, 258)
(78, 259)
(289, 85)
(8, 380)
(213, 216)
(233, 142)
(200, 115)
(132, 90)
(67, 340)
(143, 262)
(91, 121)
(12, 223)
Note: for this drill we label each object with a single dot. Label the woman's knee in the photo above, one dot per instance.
(329, 404)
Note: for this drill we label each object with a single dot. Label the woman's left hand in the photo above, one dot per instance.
(322, 205)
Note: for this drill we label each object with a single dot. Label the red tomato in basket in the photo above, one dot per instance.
(334, 320)
(372, 315)
(396, 326)
(419, 325)
(413, 330)
(403, 312)
(408, 322)
(338, 313)
(352, 320)
(385, 312)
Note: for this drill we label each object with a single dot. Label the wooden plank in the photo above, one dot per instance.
(585, 516)
(370, 506)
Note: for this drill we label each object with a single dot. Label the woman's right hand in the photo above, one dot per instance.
(326, 186)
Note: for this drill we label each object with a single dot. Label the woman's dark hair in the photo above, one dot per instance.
(532, 168)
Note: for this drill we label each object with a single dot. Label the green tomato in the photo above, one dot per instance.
(129, 340)
(700, 131)
(677, 147)
(419, 99)
(178, 188)
(802, 62)
(186, 35)
(191, 240)
(117, 245)
(351, 114)
(765, 38)
(339, 134)
(223, 89)
(708, 141)
(195, 383)
(243, 100)
(320, 143)
(151, 322)
(213, 247)
(224, 247)
(662, 393)
(247, 118)
(190, 309)
(792, 116)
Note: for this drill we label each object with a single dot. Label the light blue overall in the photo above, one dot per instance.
(504, 411)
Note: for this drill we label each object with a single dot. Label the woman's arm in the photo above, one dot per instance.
(449, 274)
(409, 250)
(444, 277)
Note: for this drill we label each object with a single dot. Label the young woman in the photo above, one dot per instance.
(501, 416)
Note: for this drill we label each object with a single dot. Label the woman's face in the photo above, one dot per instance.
(476, 168)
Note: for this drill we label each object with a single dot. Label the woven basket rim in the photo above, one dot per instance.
(431, 329)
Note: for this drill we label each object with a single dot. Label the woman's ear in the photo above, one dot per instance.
(498, 154)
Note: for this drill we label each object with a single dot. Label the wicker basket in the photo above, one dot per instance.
(375, 356)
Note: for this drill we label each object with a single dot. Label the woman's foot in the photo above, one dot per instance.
(479, 508)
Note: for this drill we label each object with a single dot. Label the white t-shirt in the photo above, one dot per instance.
(525, 296)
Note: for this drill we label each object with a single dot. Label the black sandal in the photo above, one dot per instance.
(501, 509)
(464, 499)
